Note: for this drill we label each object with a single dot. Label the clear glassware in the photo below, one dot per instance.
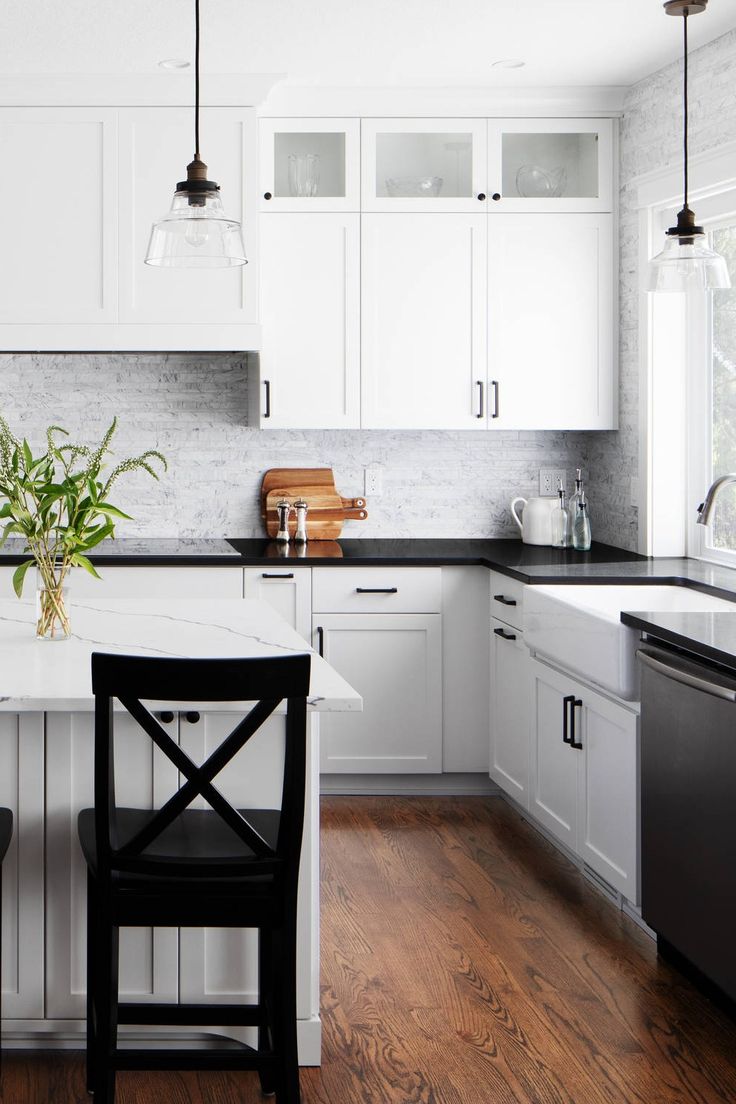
(581, 535)
(560, 521)
(535, 182)
(304, 174)
(52, 608)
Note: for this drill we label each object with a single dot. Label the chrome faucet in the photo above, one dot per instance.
(705, 509)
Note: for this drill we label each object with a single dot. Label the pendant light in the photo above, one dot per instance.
(686, 263)
(196, 233)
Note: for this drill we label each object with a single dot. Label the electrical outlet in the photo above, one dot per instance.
(372, 481)
(549, 480)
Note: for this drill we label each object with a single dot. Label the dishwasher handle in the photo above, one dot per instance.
(683, 672)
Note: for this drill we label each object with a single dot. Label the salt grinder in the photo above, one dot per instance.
(284, 509)
(301, 508)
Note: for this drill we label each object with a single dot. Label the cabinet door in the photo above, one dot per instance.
(157, 582)
(58, 217)
(608, 830)
(423, 321)
(22, 791)
(423, 165)
(310, 313)
(395, 663)
(310, 165)
(550, 164)
(288, 590)
(553, 796)
(144, 779)
(510, 712)
(155, 146)
(465, 660)
(550, 322)
(221, 964)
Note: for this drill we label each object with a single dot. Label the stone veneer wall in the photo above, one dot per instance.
(193, 407)
(651, 139)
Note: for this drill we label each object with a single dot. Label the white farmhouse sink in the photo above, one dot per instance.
(579, 627)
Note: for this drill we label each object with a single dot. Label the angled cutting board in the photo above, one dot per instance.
(327, 509)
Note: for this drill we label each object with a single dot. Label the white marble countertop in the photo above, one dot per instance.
(37, 675)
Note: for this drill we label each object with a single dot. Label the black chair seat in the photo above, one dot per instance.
(6, 831)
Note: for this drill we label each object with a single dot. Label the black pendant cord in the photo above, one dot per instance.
(684, 99)
(196, 80)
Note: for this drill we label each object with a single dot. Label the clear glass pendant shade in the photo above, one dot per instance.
(687, 264)
(198, 235)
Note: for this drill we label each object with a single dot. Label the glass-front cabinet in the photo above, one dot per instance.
(562, 165)
(310, 164)
(423, 164)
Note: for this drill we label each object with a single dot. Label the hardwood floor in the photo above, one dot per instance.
(464, 962)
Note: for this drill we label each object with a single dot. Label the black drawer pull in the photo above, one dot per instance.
(271, 575)
(576, 704)
(565, 718)
(504, 600)
(166, 716)
(320, 640)
(267, 386)
(505, 635)
(376, 590)
(192, 716)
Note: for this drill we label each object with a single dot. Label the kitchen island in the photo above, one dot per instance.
(46, 759)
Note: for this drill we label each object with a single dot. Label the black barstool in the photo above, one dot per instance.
(6, 834)
(178, 867)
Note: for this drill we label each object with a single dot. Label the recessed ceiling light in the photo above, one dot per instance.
(508, 63)
(174, 63)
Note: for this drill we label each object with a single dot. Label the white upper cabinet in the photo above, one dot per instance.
(423, 165)
(155, 146)
(58, 217)
(310, 314)
(91, 181)
(550, 165)
(550, 322)
(423, 321)
(310, 165)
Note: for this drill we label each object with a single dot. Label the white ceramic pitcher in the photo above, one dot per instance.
(535, 522)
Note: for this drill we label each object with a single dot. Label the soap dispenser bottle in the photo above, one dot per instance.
(560, 519)
(575, 497)
(581, 536)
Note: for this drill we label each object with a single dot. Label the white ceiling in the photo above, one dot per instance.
(372, 43)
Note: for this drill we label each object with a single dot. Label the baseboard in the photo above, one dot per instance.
(409, 785)
(70, 1035)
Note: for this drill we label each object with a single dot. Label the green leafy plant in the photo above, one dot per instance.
(58, 503)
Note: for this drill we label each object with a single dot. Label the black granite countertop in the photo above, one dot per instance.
(708, 636)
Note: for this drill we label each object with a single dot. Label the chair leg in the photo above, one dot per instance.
(105, 998)
(91, 979)
(284, 1020)
(265, 1000)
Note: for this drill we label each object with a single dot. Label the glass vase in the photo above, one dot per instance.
(52, 609)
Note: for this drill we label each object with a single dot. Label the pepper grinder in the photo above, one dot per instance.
(284, 509)
(301, 508)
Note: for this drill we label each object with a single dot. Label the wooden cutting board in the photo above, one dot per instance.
(327, 509)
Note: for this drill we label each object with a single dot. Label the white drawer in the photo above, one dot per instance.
(507, 599)
(377, 589)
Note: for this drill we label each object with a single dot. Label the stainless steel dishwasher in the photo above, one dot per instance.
(688, 811)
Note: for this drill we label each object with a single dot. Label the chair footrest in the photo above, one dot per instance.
(241, 1057)
(176, 1015)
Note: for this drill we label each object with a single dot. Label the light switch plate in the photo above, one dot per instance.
(549, 480)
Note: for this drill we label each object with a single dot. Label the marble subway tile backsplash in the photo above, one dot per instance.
(193, 407)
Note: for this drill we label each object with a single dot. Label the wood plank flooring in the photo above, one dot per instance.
(464, 962)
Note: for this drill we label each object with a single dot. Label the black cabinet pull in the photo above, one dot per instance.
(267, 385)
(268, 195)
(481, 405)
(505, 635)
(481, 196)
(271, 575)
(166, 716)
(576, 703)
(504, 600)
(376, 590)
(192, 716)
(496, 196)
(320, 640)
(494, 385)
(566, 701)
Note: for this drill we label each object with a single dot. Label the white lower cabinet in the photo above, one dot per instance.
(287, 589)
(584, 774)
(510, 711)
(145, 778)
(395, 663)
(155, 582)
(22, 791)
